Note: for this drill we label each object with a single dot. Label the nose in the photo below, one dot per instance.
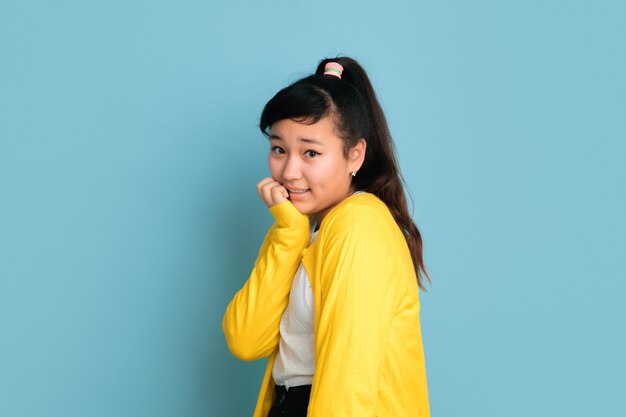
(292, 169)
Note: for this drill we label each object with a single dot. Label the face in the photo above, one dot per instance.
(309, 161)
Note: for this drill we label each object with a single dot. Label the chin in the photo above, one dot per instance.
(302, 208)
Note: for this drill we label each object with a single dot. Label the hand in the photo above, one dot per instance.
(271, 192)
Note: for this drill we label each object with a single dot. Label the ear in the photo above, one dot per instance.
(356, 155)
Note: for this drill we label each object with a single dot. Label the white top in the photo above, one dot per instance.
(295, 361)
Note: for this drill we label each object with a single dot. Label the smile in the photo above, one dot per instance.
(297, 194)
(294, 191)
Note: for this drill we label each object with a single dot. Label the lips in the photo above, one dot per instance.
(297, 193)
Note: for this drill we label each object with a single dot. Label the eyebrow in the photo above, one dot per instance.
(314, 141)
(305, 140)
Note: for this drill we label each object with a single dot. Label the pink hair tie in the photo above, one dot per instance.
(334, 69)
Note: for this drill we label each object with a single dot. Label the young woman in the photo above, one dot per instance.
(333, 296)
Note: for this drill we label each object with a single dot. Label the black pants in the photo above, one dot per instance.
(292, 403)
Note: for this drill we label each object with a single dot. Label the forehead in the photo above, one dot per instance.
(289, 130)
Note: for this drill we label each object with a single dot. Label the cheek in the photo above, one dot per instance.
(328, 175)
(274, 166)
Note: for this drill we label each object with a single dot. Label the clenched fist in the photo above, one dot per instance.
(271, 192)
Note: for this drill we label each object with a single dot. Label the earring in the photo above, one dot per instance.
(353, 173)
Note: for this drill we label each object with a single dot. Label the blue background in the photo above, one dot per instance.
(129, 155)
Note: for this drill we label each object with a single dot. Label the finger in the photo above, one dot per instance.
(279, 194)
(263, 188)
(263, 182)
(266, 192)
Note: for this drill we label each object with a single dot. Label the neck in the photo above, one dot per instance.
(318, 217)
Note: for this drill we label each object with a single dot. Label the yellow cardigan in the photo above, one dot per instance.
(369, 359)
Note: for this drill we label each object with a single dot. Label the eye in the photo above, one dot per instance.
(277, 150)
(311, 154)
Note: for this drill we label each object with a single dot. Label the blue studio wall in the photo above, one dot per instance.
(129, 155)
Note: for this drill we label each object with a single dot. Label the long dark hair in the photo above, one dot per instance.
(352, 101)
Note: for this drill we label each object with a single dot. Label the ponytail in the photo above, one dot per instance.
(352, 100)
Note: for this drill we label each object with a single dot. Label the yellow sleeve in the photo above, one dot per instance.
(252, 319)
(357, 292)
